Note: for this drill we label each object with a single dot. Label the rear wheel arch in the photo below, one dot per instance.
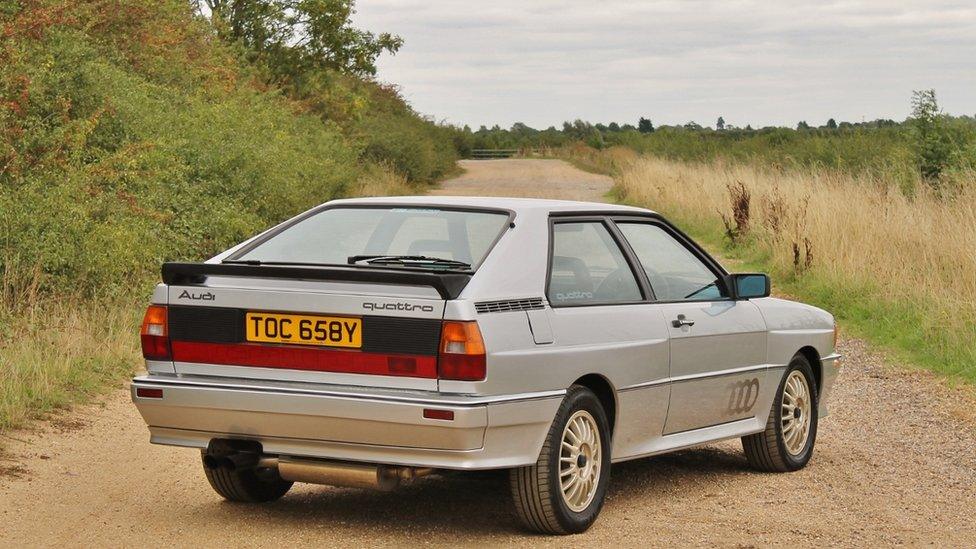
(813, 357)
(605, 393)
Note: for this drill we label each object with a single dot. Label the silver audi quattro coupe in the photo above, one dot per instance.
(368, 342)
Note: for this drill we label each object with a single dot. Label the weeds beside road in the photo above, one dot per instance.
(898, 270)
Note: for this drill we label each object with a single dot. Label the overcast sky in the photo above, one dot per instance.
(761, 63)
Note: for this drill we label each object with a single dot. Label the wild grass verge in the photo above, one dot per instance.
(896, 270)
(61, 352)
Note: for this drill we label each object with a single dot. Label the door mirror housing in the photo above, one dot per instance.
(749, 285)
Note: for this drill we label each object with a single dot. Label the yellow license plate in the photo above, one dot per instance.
(327, 331)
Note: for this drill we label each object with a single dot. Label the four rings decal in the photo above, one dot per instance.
(743, 396)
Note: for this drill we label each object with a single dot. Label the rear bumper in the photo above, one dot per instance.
(354, 424)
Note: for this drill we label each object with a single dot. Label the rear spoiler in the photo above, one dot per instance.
(447, 284)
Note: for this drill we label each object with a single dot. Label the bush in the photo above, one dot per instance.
(406, 144)
(129, 136)
(112, 169)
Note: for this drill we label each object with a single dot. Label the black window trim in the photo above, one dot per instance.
(610, 220)
(278, 229)
(721, 274)
(635, 269)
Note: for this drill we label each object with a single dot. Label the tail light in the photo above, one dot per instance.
(155, 334)
(462, 352)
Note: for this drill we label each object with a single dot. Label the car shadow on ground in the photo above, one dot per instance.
(464, 503)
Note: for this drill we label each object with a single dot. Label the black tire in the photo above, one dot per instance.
(536, 490)
(248, 485)
(767, 451)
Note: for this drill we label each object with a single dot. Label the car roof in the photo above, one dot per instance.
(518, 205)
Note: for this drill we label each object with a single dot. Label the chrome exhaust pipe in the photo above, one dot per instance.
(350, 475)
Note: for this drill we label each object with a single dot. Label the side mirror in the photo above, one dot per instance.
(748, 285)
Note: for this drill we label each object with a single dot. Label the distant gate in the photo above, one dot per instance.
(484, 154)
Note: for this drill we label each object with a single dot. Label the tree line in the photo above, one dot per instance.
(929, 145)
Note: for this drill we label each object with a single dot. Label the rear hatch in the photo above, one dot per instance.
(347, 293)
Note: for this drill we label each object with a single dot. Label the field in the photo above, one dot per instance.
(895, 269)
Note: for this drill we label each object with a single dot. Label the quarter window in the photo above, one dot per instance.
(674, 272)
(588, 267)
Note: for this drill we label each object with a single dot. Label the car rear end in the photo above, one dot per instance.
(284, 355)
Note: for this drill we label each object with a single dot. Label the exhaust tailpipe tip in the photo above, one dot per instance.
(231, 462)
(211, 462)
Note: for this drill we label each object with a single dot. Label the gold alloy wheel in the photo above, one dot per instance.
(796, 413)
(580, 459)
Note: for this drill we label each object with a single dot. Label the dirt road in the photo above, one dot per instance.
(895, 464)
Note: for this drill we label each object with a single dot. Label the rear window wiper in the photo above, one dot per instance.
(407, 260)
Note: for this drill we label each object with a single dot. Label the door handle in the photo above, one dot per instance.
(682, 321)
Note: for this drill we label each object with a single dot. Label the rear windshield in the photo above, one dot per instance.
(334, 235)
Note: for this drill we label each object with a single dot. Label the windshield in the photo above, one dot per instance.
(338, 236)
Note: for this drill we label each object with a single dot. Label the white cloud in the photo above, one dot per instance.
(755, 62)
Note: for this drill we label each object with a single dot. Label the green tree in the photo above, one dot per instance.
(831, 124)
(931, 135)
(802, 125)
(295, 37)
(644, 125)
(720, 124)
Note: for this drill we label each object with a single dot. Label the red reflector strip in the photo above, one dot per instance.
(430, 413)
(462, 367)
(144, 392)
(304, 358)
(155, 347)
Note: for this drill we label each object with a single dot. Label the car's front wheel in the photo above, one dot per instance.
(791, 429)
(563, 492)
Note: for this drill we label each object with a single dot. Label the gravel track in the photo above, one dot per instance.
(895, 464)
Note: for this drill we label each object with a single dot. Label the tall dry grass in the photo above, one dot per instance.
(61, 352)
(857, 243)
(378, 180)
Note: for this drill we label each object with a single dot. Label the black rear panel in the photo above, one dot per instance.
(210, 324)
(381, 334)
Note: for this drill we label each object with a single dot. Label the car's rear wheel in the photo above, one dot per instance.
(564, 491)
(244, 484)
(791, 429)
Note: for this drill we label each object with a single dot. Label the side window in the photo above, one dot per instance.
(588, 267)
(675, 273)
